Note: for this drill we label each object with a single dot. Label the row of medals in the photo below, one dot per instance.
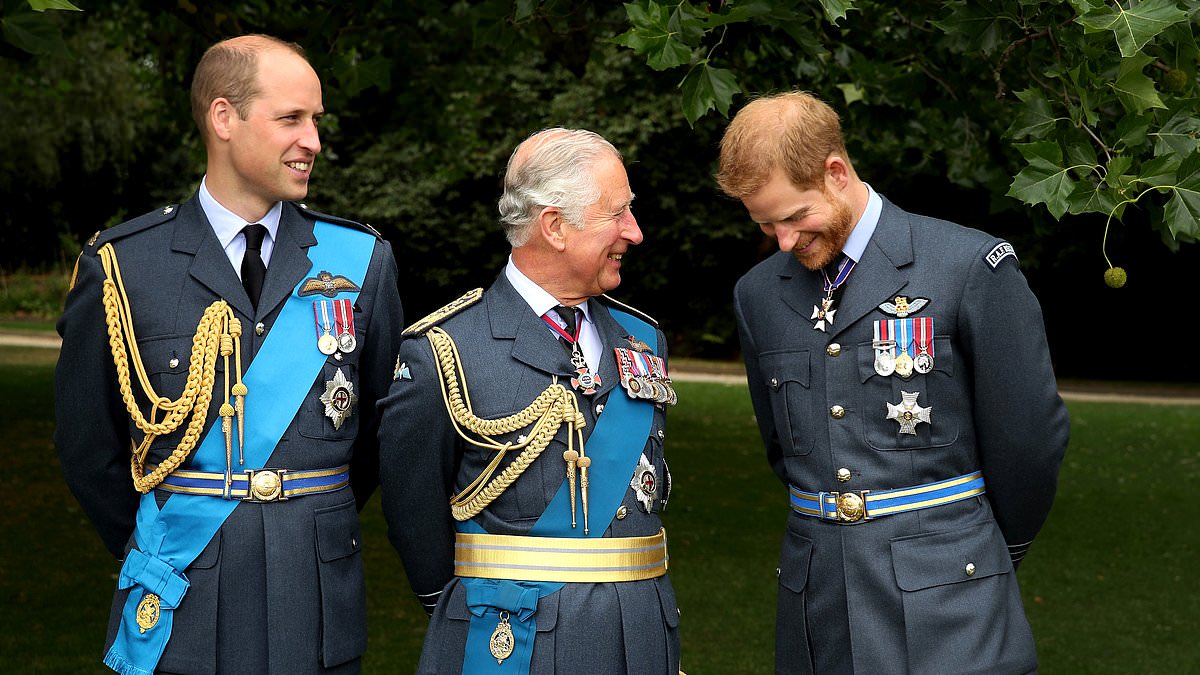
(888, 363)
(328, 343)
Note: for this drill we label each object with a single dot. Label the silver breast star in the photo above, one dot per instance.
(908, 413)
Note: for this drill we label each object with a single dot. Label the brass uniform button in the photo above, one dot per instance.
(834, 349)
(622, 512)
(774, 382)
(843, 475)
(173, 363)
(970, 569)
(838, 412)
(259, 328)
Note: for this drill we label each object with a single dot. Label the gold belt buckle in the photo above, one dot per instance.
(851, 506)
(264, 485)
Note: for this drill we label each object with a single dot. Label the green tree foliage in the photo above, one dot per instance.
(949, 107)
(1098, 98)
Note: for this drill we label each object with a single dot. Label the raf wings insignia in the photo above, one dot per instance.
(327, 284)
(902, 307)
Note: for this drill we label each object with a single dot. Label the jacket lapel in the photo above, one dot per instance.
(289, 260)
(533, 342)
(880, 274)
(210, 266)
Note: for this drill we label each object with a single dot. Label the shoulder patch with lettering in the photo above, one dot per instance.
(998, 253)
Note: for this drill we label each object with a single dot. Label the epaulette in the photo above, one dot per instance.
(998, 253)
(609, 300)
(337, 221)
(446, 311)
(142, 222)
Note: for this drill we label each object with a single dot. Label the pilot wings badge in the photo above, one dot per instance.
(326, 284)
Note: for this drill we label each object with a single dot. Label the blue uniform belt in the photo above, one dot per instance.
(257, 485)
(851, 507)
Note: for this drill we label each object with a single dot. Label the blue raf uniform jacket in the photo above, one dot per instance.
(279, 589)
(510, 356)
(928, 591)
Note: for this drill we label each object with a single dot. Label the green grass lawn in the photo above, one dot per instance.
(1110, 586)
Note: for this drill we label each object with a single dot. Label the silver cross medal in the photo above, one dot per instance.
(823, 313)
(908, 413)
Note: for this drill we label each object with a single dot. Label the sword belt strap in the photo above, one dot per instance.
(257, 485)
(595, 560)
(854, 506)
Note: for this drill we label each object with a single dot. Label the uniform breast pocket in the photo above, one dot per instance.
(166, 360)
(331, 409)
(786, 375)
(913, 413)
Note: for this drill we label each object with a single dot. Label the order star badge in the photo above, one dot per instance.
(908, 413)
(339, 399)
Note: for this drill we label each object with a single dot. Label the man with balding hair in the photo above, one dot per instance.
(522, 441)
(900, 376)
(239, 538)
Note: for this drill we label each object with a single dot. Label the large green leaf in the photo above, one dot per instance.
(1035, 119)
(33, 33)
(706, 88)
(652, 36)
(1091, 197)
(1183, 211)
(1136, 26)
(970, 27)
(43, 5)
(1043, 181)
(1134, 88)
(1180, 135)
(835, 10)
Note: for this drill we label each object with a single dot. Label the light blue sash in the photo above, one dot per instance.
(278, 379)
(615, 447)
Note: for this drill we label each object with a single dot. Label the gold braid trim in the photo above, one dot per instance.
(216, 334)
(552, 408)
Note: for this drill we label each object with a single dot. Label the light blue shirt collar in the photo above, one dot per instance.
(227, 225)
(860, 236)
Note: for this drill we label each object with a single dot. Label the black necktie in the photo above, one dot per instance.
(567, 314)
(253, 268)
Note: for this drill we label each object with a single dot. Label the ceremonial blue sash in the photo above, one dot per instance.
(278, 379)
(615, 447)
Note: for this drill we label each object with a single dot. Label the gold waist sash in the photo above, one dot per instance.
(517, 558)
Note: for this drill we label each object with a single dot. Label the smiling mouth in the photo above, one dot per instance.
(616, 257)
(299, 166)
(799, 248)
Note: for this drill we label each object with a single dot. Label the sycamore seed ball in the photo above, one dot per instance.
(1115, 277)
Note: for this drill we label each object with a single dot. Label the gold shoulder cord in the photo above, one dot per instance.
(217, 333)
(552, 408)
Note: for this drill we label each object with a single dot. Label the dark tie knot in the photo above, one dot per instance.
(568, 315)
(255, 233)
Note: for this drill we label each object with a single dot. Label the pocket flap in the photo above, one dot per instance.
(777, 368)
(794, 561)
(938, 558)
(338, 533)
(209, 556)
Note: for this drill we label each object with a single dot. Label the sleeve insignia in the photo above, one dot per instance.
(326, 284)
(446, 311)
(998, 253)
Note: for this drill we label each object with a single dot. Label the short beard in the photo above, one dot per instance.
(832, 239)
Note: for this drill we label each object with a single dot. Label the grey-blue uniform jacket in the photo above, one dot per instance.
(928, 591)
(279, 588)
(510, 356)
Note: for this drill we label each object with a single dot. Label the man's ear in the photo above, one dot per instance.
(220, 117)
(837, 172)
(551, 226)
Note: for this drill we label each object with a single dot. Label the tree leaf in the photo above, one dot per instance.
(1183, 211)
(43, 5)
(1043, 181)
(835, 10)
(652, 37)
(1091, 198)
(852, 92)
(706, 88)
(1136, 26)
(1135, 90)
(972, 27)
(33, 33)
(1180, 135)
(1034, 118)
(524, 9)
